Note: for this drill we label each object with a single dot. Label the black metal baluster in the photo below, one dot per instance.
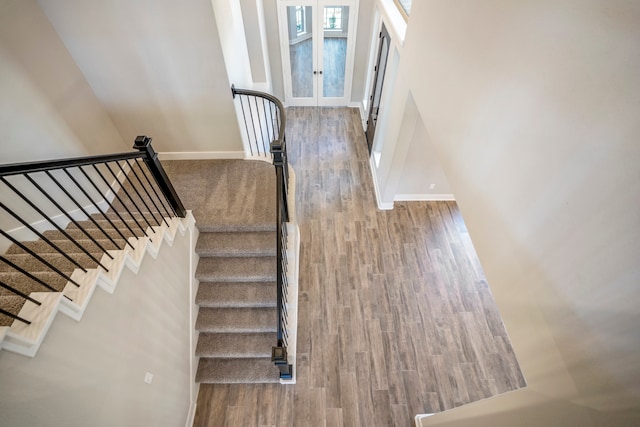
(264, 146)
(66, 192)
(147, 193)
(37, 233)
(72, 220)
(19, 293)
(111, 208)
(115, 194)
(127, 178)
(274, 124)
(246, 125)
(153, 187)
(14, 316)
(26, 273)
(253, 125)
(143, 144)
(39, 258)
(122, 187)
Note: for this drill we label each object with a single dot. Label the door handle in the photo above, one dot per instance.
(320, 72)
(317, 72)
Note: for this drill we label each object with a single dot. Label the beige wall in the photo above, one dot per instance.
(47, 108)
(156, 66)
(91, 373)
(533, 110)
(256, 36)
(421, 166)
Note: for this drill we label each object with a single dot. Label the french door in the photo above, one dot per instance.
(317, 42)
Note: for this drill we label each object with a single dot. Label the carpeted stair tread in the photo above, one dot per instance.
(255, 243)
(66, 246)
(234, 371)
(77, 234)
(95, 232)
(236, 294)
(215, 227)
(227, 345)
(27, 285)
(58, 260)
(243, 319)
(11, 303)
(236, 269)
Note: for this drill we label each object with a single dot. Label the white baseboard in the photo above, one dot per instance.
(419, 418)
(382, 206)
(423, 197)
(200, 155)
(192, 409)
(363, 112)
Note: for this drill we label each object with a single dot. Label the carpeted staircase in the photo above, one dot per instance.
(233, 203)
(40, 270)
(237, 300)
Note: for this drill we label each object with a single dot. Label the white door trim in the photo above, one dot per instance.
(318, 36)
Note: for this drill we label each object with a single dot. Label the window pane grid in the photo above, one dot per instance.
(333, 18)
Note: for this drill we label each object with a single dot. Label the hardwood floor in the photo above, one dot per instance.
(396, 317)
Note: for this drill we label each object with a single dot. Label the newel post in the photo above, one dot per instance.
(143, 144)
(279, 152)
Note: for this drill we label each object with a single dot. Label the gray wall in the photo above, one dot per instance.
(156, 66)
(533, 110)
(91, 373)
(47, 108)
(421, 167)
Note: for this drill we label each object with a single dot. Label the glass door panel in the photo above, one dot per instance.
(301, 55)
(334, 53)
(317, 50)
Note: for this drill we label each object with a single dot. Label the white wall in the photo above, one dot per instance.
(156, 66)
(533, 110)
(273, 43)
(421, 169)
(91, 373)
(365, 19)
(47, 108)
(256, 37)
(231, 28)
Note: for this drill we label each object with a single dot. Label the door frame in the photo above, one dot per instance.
(378, 74)
(317, 36)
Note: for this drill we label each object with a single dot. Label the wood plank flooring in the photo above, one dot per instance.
(396, 317)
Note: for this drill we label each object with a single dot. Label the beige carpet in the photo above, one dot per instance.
(233, 202)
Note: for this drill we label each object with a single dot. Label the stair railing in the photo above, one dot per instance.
(41, 198)
(264, 120)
